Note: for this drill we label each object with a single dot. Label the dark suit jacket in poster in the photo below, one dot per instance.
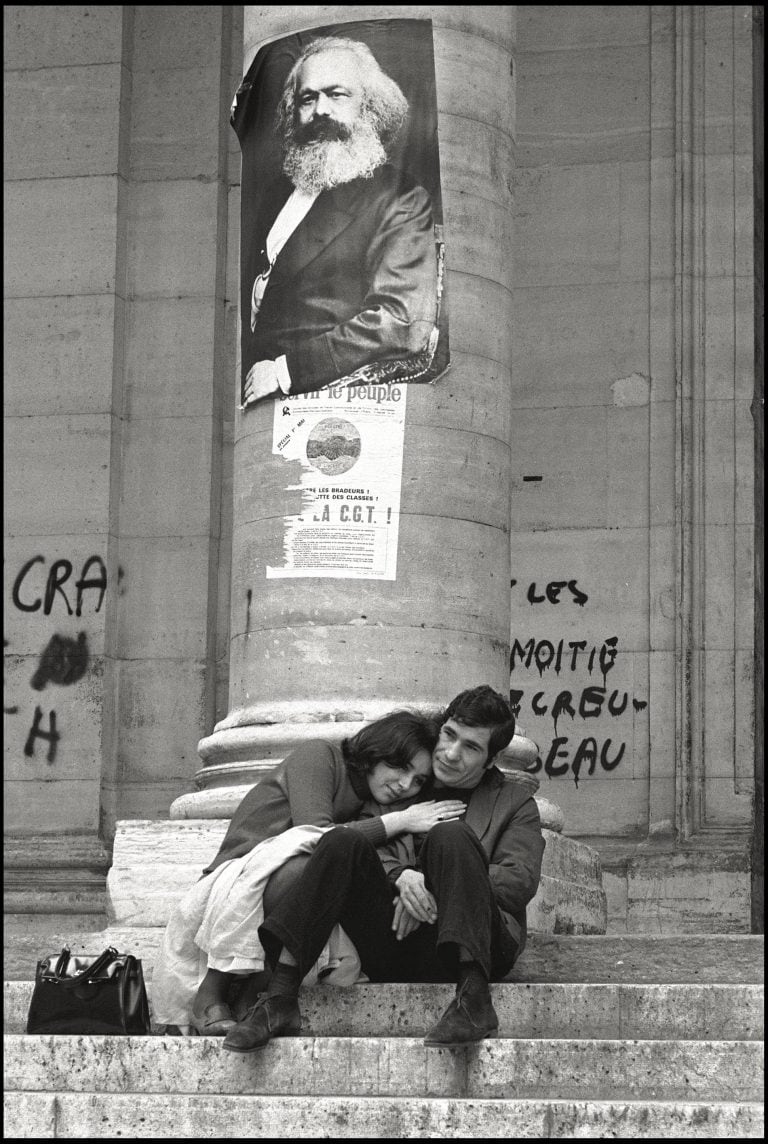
(355, 283)
(505, 818)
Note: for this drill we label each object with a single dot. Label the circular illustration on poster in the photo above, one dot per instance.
(333, 446)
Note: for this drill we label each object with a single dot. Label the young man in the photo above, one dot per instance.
(447, 906)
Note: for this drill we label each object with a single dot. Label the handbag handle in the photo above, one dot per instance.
(101, 962)
(63, 959)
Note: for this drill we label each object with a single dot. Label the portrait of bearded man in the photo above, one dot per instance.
(346, 274)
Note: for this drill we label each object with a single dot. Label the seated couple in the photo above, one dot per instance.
(430, 890)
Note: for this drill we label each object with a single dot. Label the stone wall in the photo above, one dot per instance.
(65, 314)
(582, 385)
(632, 521)
(121, 170)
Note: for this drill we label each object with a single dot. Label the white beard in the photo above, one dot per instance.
(318, 166)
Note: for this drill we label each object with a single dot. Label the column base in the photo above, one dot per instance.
(239, 753)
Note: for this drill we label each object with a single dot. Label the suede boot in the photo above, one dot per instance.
(276, 1013)
(470, 1016)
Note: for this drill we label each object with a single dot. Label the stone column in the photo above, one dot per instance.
(315, 657)
(318, 657)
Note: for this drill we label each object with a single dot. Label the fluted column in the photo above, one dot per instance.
(314, 656)
(714, 474)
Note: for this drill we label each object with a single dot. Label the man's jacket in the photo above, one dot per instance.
(505, 818)
(355, 283)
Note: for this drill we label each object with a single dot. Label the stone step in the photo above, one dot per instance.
(503, 1068)
(590, 959)
(636, 1012)
(88, 1116)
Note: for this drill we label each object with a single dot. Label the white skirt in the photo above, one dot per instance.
(215, 926)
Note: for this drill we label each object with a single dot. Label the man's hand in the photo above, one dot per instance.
(261, 381)
(415, 896)
(403, 923)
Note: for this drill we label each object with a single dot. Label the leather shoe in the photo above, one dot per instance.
(216, 1021)
(269, 1017)
(469, 1017)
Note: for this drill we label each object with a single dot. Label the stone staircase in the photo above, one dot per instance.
(600, 1036)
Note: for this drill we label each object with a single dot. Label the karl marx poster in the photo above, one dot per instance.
(341, 240)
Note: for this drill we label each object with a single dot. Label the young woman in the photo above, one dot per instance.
(322, 784)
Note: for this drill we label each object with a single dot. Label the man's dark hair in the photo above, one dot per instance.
(483, 707)
(394, 739)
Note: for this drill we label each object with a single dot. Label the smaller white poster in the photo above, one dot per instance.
(349, 441)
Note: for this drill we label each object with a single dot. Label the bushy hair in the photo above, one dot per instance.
(483, 707)
(384, 104)
(394, 739)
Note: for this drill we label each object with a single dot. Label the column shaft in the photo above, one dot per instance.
(316, 656)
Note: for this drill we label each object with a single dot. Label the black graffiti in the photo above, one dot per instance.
(590, 702)
(564, 655)
(587, 752)
(63, 660)
(553, 590)
(58, 574)
(52, 736)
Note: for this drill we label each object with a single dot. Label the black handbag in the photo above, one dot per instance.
(85, 994)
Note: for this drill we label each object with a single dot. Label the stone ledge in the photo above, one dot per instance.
(93, 1116)
(548, 1010)
(156, 862)
(577, 1069)
(64, 851)
(195, 841)
(653, 888)
(43, 902)
(555, 958)
(568, 907)
(47, 874)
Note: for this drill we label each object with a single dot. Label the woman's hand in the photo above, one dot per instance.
(422, 816)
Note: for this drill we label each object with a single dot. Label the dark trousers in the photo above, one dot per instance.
(344, 882)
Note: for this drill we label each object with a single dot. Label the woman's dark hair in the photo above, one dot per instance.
(394, 739)
(484, 707)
